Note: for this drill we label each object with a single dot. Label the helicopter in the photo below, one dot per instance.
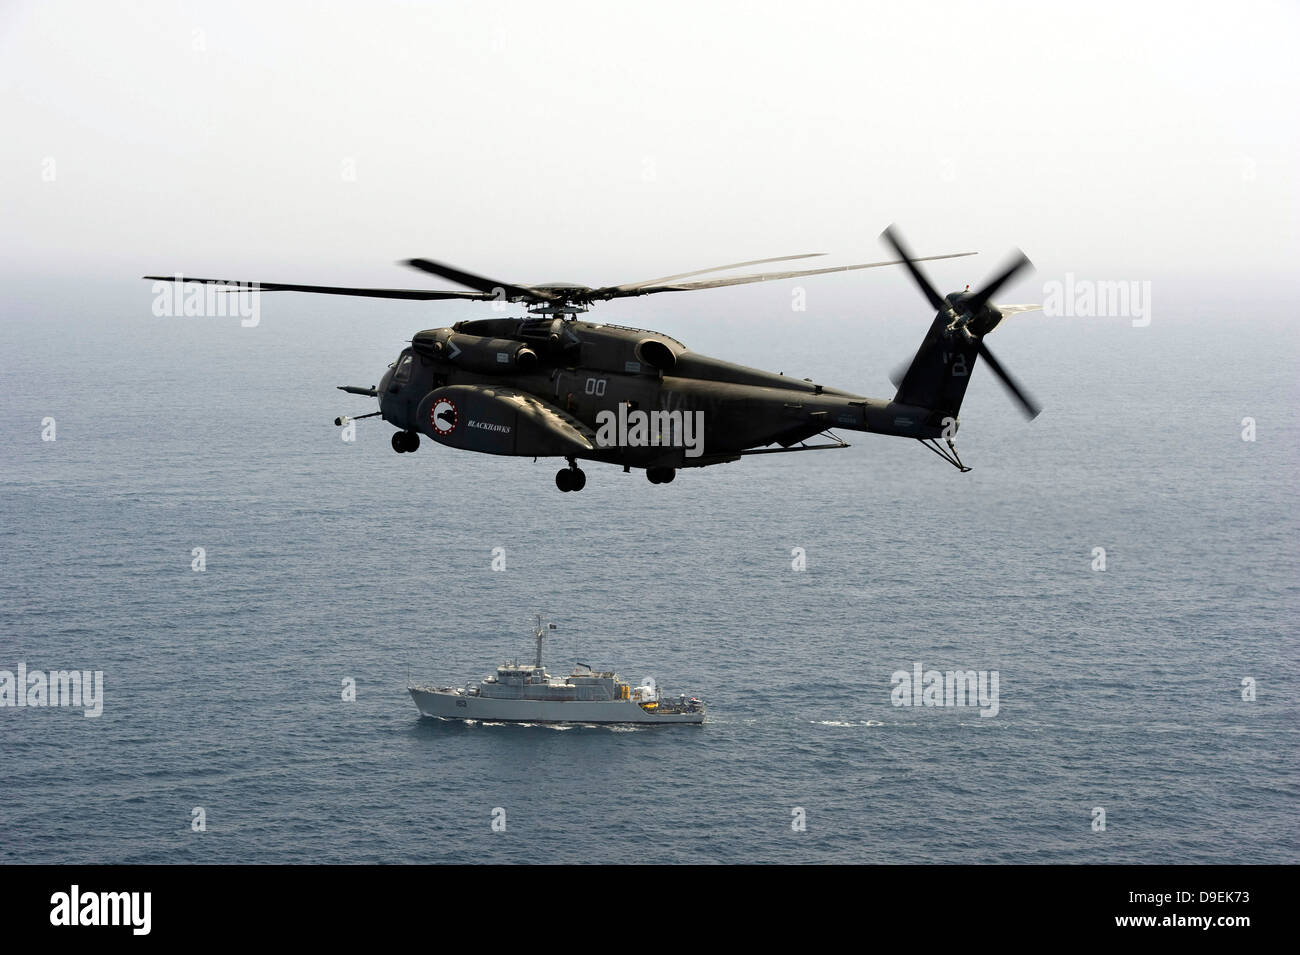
(551, 385)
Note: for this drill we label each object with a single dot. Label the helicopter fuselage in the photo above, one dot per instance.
(548, 387)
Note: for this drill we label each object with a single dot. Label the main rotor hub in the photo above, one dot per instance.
(567, 311)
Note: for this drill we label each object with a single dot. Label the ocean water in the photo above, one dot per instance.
(329, 562)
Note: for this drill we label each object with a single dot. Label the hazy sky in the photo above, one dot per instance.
(605, 142)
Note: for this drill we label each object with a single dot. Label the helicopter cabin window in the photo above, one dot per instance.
(403, 373)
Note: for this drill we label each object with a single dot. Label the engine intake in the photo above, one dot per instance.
(656, 354)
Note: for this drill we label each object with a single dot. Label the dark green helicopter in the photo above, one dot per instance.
(549, 385)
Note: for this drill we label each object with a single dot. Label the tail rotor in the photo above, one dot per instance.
(963, 319)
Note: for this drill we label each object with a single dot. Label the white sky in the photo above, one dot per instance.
(604, 142)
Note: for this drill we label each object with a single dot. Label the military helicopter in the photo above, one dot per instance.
(549, 385)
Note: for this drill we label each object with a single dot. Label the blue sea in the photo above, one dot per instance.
(331, 564)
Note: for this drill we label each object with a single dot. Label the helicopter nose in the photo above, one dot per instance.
(384, 381)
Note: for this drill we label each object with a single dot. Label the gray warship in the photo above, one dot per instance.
(520, 693)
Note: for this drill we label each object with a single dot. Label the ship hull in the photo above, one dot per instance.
(457, 706)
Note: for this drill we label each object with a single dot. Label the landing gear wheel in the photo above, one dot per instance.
(571, 479)
(661, 475)
(405, 441)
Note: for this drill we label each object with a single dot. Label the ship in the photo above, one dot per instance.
(522, 693)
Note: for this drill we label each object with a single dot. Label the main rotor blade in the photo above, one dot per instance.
(1027, 404)
(237, 285)
(765, 277)
(717, 268)
(892, 239)
(479, 283)
(979, 299)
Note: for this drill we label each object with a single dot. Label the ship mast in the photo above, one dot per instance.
(540, 633)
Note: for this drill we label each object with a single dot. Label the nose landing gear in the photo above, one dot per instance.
(572, 478)
(405, 441)
(661, 475)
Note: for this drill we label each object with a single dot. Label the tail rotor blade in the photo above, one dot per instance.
(899, 373)
(894, 242)
(1027, 404)
(977, 301)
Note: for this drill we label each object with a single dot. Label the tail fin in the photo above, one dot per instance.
(938, 375)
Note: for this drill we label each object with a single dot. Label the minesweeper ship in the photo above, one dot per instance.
(528, 694)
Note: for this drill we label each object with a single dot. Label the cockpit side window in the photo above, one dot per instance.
(403, 373)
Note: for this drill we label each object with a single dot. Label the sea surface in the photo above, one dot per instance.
(330, 564)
